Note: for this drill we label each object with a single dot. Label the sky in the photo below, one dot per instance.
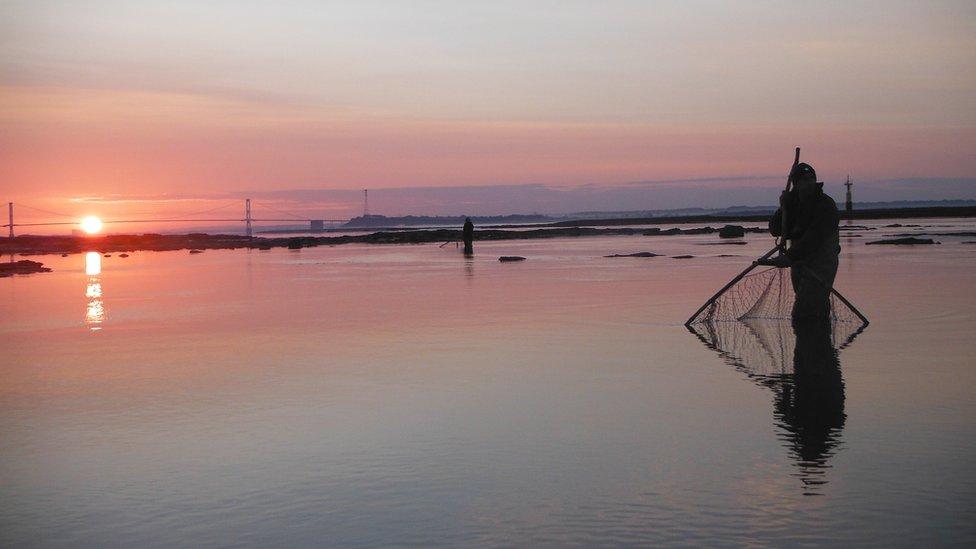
(161, 108)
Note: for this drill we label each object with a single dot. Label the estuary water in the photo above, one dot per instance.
(407, 395)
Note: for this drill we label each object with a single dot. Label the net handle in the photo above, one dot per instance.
(784, 222)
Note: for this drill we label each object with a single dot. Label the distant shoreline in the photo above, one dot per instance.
(43, 245)
(883, 213)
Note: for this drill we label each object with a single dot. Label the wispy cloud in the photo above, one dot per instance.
(144, 199)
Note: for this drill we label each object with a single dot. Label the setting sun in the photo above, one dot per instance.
(91, 224)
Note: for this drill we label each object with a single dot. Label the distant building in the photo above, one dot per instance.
(318, 225)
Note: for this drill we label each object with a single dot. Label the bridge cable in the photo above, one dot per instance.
(263, 205)
(58, 214)
(201, 212)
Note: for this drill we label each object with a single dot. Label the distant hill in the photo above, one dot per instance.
(733, 211)
(391, 222)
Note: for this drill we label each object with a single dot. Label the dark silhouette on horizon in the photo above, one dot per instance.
(467, 234)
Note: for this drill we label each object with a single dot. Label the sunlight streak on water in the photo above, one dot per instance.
(93, 264)
(95, 309)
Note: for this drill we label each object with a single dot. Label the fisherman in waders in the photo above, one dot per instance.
(468, 234)
(812, 220)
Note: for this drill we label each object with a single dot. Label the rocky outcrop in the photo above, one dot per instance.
(909, 241)
(731, 231)
(22, 267)
(636, 254)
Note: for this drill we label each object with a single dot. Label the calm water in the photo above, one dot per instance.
(378, 395)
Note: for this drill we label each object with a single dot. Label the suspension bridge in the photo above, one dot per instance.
(248, 219)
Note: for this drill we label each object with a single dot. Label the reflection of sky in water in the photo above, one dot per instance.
(555, 401)
(95, 310)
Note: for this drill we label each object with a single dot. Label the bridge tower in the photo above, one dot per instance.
(247, 217)
(365, 202)
(10, 216)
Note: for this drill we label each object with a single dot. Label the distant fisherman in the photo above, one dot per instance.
(813, 221)
(468, 234)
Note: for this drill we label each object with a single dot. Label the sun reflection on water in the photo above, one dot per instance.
(94, 289)
(93, 264)
(95, 311)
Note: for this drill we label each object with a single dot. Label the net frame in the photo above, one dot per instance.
(768, 294)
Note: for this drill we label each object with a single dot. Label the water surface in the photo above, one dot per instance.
(377, 395)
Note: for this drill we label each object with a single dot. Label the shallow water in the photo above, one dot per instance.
(377, 395)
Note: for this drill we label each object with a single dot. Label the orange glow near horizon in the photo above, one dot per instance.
(91, 224)
(280, 101)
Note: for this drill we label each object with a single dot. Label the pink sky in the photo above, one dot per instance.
(181, 101)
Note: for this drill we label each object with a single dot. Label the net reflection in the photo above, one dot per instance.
(95, 310)
(800, 364)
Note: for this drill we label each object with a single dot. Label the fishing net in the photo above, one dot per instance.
(764, 349)
(766, 294)
(748, 323)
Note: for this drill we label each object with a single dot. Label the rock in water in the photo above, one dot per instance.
(637, 254)
(24, 266)
(682, 257)
(507, 258)
(731, 231)
(196, 251)
(904, 241)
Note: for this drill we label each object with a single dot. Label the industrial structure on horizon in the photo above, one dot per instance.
(849, 203)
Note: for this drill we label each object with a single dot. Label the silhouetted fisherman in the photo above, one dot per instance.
(468, 234)
(814, 242)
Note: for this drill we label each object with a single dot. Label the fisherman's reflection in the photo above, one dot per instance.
(810, 403)
(800, 364)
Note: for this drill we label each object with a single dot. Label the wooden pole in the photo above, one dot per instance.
(784, 222)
